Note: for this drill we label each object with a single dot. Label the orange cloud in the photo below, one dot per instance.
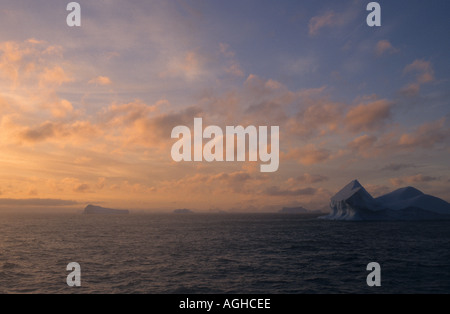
(76, 131)
(82, 188)
(308, 155)
(101, 80)
(53, 76)
(188, 66)
(364, 145)
(368, 117)
(59, 108)
(307, 178)
(426, 135)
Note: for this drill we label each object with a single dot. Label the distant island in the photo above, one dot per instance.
(98, 210)
(183, 211)
(293, 210)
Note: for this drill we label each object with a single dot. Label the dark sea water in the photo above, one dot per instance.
(227, 253)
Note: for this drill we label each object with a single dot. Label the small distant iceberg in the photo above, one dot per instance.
(353, 202)
(183, 211)
(92, 210)
(293, 210)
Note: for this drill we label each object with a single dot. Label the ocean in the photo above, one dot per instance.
(220, 253)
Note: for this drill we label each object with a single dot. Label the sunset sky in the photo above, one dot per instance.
(86, 113)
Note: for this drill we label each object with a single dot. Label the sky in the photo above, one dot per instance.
(86, 113)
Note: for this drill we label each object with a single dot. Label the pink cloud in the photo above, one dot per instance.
(384, 46)
(318, 22)
(424, 73)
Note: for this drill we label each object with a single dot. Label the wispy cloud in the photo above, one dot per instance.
(397, 166)
(276, 191)
(423, 72)
(318, 22)
(101, 80)
(36, 202)
(385, 47)
(415, 179)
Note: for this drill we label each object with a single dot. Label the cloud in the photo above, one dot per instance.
(59, 108)
(31, 73)
(137, 124)
(426, 135)
(368, 117)
(419, 178)
(36, 202)
(12, 54)
(233, 178)
(364, 145)
(276, 191)
(101, 80)
(331, 19)
(82, 188)
(188, 66)
(308, 155)
(35, 41)
(397, 167)
(233, 67)
(308, 178)
(424, 73)
(39, 133)
(410, 90)
(76, 131)
(423, 69)
(377, 190)
(316, 23)
(320, 116)
(383, 47)
(54, 76)
(226, 51)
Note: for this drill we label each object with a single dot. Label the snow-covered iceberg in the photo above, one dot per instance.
(353, 202)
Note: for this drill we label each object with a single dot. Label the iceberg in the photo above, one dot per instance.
(353, 202)
(91, 209)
